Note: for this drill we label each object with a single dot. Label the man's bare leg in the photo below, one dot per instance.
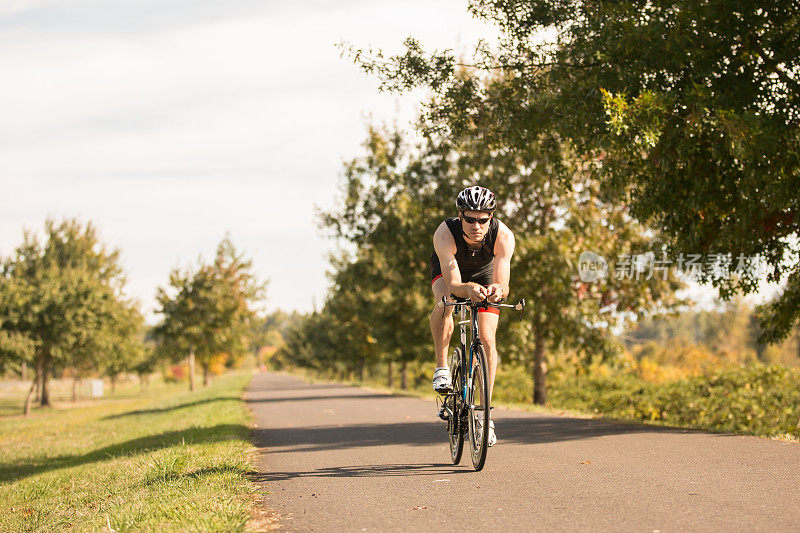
(487, 323)
(441, 323)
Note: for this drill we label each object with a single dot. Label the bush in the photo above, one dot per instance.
(755, 399)
(176, 373)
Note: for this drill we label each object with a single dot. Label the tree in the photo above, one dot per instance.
(389, 214)
(15, 349)
(269, 333)
(396, 195)
(208, 310)
(129, 352)
(65, 299)
(692, 108)
(367, 308)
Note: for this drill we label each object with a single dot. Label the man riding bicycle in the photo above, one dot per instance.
(471, 259)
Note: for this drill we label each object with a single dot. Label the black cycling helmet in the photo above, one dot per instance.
(476, 198)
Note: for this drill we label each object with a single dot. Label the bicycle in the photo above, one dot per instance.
(467, 406)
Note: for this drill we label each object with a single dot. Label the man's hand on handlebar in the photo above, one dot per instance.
(494, 292)
(477, 293)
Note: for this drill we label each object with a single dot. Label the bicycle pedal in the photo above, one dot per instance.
(444, 414)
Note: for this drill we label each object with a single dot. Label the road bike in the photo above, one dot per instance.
(466, 407)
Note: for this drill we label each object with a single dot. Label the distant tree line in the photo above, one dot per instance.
(63, 306)
(731, 332)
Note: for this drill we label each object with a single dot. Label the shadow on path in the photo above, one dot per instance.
(297, 384)
(534, 430)
(336, 397)
(387, 470)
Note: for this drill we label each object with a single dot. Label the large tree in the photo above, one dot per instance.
(207, 310)
(65, 298)
(692, 109)
(395, 196)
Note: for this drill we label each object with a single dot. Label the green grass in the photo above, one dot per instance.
(165, 460)
(12, 403)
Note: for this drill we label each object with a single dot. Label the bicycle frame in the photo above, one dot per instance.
(475, 339)
(460, 308)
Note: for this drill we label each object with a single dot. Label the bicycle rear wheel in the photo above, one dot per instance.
(455, 427)
(479, 409)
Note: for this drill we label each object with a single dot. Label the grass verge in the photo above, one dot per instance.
(165, 460)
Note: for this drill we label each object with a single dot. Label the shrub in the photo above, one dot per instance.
(756, 399)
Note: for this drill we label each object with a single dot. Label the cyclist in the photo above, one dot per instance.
(471, 259)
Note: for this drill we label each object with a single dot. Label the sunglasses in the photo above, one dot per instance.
(471, 220)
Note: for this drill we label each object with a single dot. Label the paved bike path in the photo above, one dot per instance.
(340, 458)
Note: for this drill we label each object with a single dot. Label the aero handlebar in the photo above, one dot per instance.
(519, 306)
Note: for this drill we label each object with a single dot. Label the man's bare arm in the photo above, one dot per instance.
(445, 247)
(503, 250)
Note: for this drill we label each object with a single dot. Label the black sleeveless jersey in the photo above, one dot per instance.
(475, 264)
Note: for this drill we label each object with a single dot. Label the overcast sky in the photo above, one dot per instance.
(169, 122)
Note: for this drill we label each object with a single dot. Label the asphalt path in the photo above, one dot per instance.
(339, 458)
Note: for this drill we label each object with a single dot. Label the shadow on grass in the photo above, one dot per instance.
(200, 474)
(224, 469)
(21, 469)
(171, 408)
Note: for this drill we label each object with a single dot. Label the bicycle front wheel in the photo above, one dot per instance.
(478, 409)
(455, 427)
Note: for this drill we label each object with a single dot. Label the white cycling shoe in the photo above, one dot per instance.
(492, 437)
(441, 380)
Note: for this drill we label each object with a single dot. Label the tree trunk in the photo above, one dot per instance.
(539, 369)
(30, 396)
(539, 366)
(797, 337)
(191, 369)
(45, 398)
(113, 384)
(390, 376)
(38, 378)
(74, 385)
(205, 375)
(404, 375)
